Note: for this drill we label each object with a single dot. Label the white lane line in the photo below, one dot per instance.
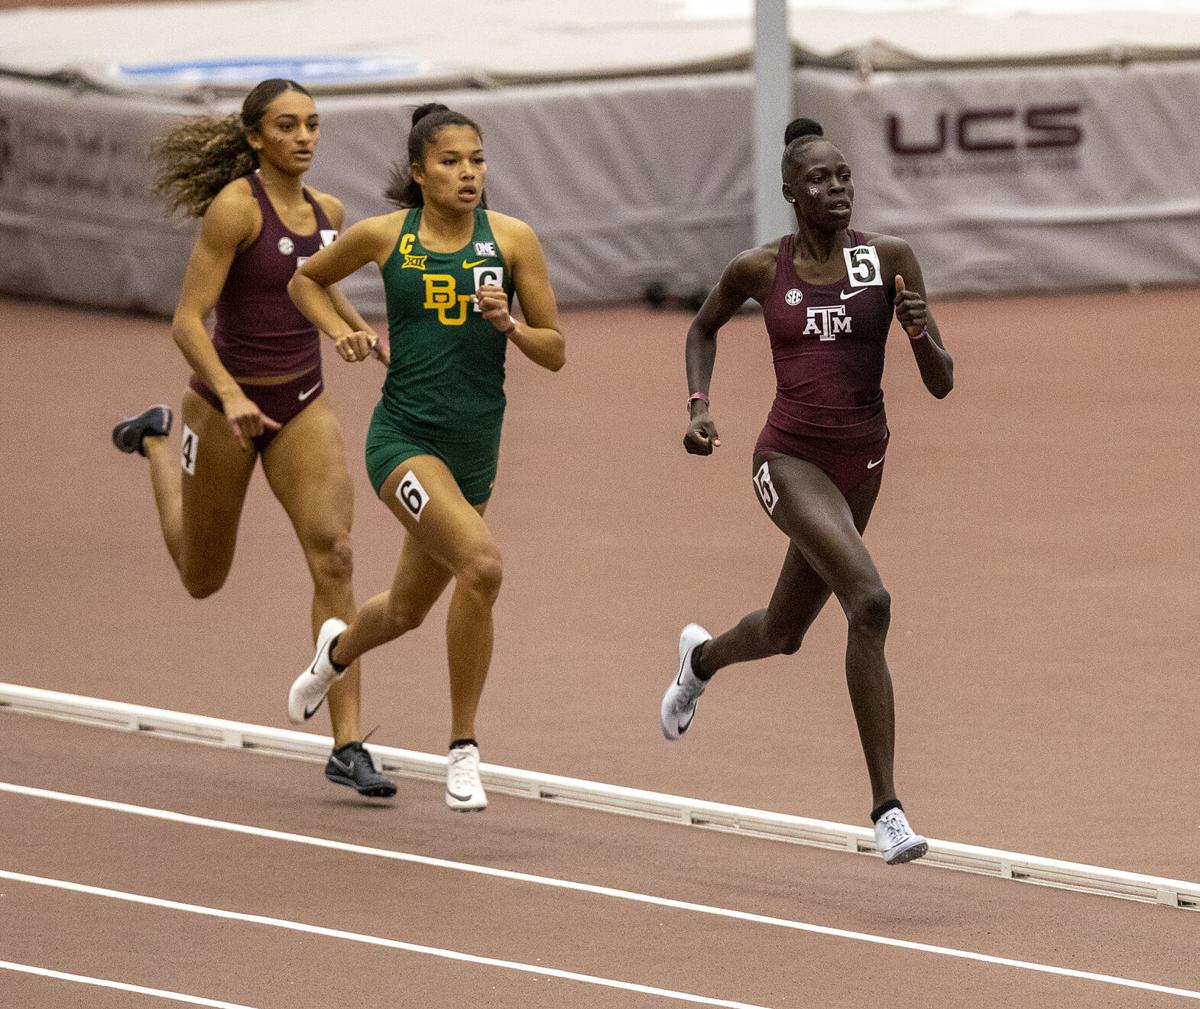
(137, 989)
(603, 891)
(702, 814)
(371, 940)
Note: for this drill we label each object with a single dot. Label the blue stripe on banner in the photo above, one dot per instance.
(310, 69)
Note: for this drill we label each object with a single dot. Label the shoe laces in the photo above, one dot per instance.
(464, 768)
(895, 829)
(357, 750)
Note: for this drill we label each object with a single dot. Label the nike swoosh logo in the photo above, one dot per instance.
(347, 768)
(686, 655)
(846, 296)
(455, 795)
(305, 395)
(467, 266)
(684, 728)
(872, 465)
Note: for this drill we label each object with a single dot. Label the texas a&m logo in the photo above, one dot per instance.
(827, 321)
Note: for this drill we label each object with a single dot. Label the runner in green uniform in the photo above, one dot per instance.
(450, 268)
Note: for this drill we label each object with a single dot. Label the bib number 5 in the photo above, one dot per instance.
(766, 489)
(862, 266)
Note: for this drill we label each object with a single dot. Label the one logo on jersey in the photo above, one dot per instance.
(794, 297)
(485, 248)
(827, 322)
(287, 246)
(862, 266)
(327, 236)
(441, 295)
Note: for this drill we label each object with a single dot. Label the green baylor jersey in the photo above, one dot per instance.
(446, 376)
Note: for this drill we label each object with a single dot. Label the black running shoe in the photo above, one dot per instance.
(352, 765)
(128, 434)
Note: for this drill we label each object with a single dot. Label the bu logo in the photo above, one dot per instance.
(441, 294)
(827, 322)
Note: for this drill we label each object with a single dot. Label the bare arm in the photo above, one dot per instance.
(736, 286)
(227, 223)
(537, 336)
(313, 292)
(345, 309)
(908, 293)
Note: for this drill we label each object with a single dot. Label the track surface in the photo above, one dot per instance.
(1036, 533)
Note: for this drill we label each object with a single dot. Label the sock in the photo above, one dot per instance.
(878, 811)
(455, 744)
(337, 666)
(697, 659)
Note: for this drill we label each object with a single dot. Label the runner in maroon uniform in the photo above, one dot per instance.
(256, 388)
(828, 295)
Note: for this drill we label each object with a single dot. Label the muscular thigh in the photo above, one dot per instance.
(305, 465)
(423, 494)
(800, 593)
(216, 472)
(824, 527)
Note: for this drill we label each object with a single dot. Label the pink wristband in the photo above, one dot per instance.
(703, 397)
(921, 335)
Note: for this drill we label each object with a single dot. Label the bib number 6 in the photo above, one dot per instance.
(412, 495)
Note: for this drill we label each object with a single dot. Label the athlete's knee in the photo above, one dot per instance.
(331, 558)
(202, 584)
(871, 611)
(786, 641)
(403, 617)
(782, 637)
(482, 573)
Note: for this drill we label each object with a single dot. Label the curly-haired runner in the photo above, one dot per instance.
(828, 295)
(256, 390)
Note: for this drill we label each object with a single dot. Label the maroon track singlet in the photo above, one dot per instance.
(827, 343)
(258, 331)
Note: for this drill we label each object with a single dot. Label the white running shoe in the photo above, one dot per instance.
(464, 790)
(679, 702)
(310, 687)
(896, 840)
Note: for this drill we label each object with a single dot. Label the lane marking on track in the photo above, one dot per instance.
(137, 989)
(590, 888)
(371, 940)
(181, 726)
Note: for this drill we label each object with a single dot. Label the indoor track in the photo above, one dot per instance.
(1035, 531)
